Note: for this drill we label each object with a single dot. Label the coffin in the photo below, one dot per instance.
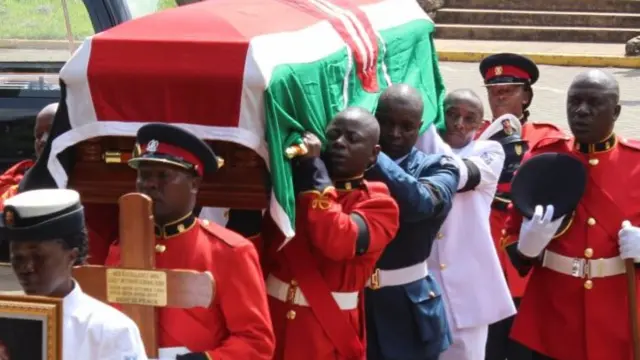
(101, 174)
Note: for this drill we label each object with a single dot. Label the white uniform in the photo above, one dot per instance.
(474, 288)
(93, 330)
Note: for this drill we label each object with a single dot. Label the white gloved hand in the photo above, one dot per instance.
(535, 234)
(629, 241)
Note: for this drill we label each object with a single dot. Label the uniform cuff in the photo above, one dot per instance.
(194, 356)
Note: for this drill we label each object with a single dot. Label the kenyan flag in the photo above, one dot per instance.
(256, 73)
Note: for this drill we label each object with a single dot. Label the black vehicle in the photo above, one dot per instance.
(28, 86)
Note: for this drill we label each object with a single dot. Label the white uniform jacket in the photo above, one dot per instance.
(96, 331)
(463, 259)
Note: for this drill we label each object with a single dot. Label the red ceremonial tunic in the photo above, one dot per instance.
(573, 318)
(14, 175)
(237, 325)
(101, 219)
(532, 133)
(324, 225)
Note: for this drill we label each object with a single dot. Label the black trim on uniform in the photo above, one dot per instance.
(473, 176)
(348, 185)
(310, 174)
(175, 228)
(605, 145)
(519, 261)
(193, 356)
(364, 240)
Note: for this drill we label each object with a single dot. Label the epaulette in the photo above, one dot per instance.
(551, 140)
(223, 234)
(632, 144)
(376, 188)
(544, 124)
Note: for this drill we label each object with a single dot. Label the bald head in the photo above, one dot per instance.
(47, 113)
(463, 95)
(352, 143)
(362, 120)
(400, 96)
(599, 80)
(399, 113)
(42, 127)
(593, 106)
(463, 112)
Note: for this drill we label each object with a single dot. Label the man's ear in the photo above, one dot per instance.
(195, 184)
(616, 112)
(72, 257)
(374, 155)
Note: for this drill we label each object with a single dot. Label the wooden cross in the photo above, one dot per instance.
(136, 284)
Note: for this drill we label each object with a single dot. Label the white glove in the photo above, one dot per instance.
(629, 240)
(535, 234)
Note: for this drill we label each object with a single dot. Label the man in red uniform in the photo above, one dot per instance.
(575, 305)
(170, 163)
(12, 177)
(509, 79)
(316, 281)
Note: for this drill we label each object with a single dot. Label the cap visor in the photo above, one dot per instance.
(505, 83)
(135, 162)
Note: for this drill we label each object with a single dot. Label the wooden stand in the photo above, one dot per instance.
(137, 285)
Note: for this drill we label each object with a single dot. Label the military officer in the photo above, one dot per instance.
(575, 305)
(474, 288)
(508, 79)
(405, 311)
(170, 164)
(343, 224)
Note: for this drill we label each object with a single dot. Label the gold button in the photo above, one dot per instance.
(593, 162)
(160, 248)
(291, 314)
(442, 266)
(588, 284)
(588, 253)
(432, 294)
(591, 221)
(294, 283)
(504, 231)
(205, 222)
(440, 236)
(180, 228)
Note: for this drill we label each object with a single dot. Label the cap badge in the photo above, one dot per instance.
(506, 127)
(9, 218)
(137, 150)
(498, 70)
(152, 146)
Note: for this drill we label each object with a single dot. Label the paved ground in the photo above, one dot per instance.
(551, 90)
(548, 105)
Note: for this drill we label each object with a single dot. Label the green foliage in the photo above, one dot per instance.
(44, 19)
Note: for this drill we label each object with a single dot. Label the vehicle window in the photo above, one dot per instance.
(36, 30)
(139, 8)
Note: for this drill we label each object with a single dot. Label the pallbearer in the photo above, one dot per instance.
(171, 163)
(576, 302)
(48, 237)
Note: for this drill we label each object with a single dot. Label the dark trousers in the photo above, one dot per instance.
(501, 347)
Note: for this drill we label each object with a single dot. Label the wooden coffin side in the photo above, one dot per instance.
(101, 174)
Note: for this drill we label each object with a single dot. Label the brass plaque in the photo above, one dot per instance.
(137, 287)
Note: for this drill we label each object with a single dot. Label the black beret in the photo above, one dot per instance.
(169, 144)
(41, 215)
(507, 68)
(549, 179)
